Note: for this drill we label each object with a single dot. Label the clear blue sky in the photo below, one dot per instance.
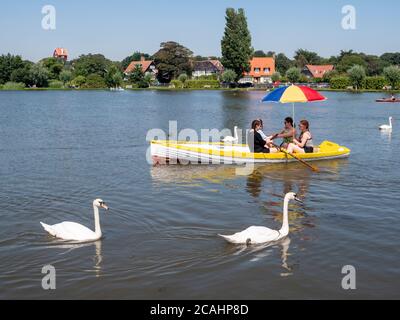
(119, 27)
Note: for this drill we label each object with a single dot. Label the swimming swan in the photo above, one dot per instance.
(385, 126)
(231, 139)
(257, 235)
(74, 231)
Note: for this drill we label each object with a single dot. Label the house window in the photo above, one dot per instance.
(257, 70)
(267, 70)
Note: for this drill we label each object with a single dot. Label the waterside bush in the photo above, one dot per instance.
(375, 83)
(56, 84)
(201, 84)
(340, 82)
(195, 84)
(13, 86)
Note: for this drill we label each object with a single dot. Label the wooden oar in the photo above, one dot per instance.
(302, 161)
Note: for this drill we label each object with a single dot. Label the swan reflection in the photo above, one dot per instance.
(70, 246)
(259, 252)
(387, 135)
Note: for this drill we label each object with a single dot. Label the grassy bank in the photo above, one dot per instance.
(358, 91)
(197, 89)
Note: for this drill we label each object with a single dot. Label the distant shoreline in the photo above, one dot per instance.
(197, 89)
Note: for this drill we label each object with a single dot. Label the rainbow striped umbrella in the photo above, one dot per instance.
(293, 94)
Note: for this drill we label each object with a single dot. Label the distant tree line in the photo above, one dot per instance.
(175, 62)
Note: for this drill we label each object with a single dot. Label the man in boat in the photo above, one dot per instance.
(255, 140)
(393, 98)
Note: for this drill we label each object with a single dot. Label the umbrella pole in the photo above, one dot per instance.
(294, 123)
(293, 111)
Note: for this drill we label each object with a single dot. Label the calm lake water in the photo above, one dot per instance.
(60, 150)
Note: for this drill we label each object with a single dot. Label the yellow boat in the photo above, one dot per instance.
(183, 152)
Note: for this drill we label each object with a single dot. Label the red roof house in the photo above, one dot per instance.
(148, 66)
(261, 70)
(316, 71)
(60, 53)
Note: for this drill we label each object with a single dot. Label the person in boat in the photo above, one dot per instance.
(287, 134)
(268, 139)
(255, 140)
(393, 98)
(304, 143)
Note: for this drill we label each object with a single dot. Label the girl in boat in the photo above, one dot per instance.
(268, 139)
(287, 134)
(255, 140)
(304, 144)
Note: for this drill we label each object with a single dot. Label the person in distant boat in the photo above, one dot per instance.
(287, 134)
(304, 144)
(255, 141)
(393, 98)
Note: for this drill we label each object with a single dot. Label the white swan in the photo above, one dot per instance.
(230, 139)
(74, 231)
(385, 126)
(257, 235)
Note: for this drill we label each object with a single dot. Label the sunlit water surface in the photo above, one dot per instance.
(60, 150)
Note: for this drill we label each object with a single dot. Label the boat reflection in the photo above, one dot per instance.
(198, 174)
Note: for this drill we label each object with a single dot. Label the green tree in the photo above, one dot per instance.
(236, 43)
(349, 61)
(9, 63)
(137, 75)
(78, 81)
(329, 75)
(89, 64)
(113, 77)
(276, 76)
(39, 75)
(183, 77)
(22, 75)
(148, 79)
(303, 57)
(229, 76)
(293, 75)
(283, 63)
(357, 76)
(54, 65)
(171, 60)
(95, 81)
(259, 54)
(392, 75)
(65, 76)
(391, 58)
(374, 65)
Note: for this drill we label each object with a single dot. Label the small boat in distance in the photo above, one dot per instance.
(387, 100)
(391, 99)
